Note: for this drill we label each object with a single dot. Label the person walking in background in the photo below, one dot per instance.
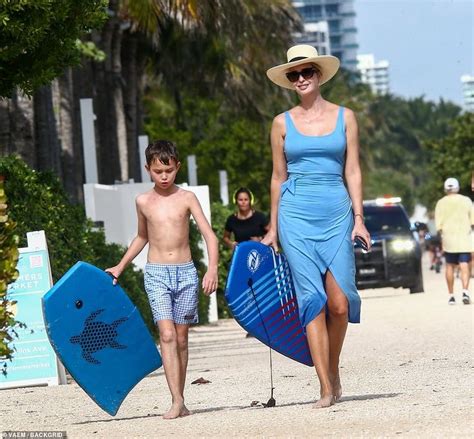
(454, 216)
(313, 213)
(246, 224)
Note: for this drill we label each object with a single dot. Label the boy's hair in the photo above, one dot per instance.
(162, 150)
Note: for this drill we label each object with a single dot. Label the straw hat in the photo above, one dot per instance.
(299, 55)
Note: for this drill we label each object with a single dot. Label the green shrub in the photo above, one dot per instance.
(8, 273)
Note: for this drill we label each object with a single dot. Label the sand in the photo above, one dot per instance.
(407, 371)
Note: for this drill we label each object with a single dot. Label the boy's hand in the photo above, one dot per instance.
(115, 272)
(209, 281)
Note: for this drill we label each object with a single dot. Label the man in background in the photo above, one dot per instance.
(454, 217)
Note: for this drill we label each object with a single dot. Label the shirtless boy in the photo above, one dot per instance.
(171, 280)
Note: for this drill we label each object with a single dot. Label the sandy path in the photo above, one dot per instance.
(407, 372)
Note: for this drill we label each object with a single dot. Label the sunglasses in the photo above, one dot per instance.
(305, 73)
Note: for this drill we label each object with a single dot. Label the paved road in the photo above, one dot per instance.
(407, 372)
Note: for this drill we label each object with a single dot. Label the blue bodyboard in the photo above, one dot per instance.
(261, 296)
(99, 335)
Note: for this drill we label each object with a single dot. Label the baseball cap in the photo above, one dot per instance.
(451, 184)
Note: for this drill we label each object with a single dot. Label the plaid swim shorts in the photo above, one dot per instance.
(172, 291)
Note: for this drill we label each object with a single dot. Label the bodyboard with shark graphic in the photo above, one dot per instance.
(261, 296)
(99, 335)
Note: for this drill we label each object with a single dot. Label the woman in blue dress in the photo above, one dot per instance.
(316, 218)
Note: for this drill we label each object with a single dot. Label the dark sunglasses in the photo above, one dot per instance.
(305, 73)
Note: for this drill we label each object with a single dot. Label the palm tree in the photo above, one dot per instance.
(202, 46)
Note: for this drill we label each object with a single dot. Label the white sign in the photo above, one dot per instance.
(34, 360)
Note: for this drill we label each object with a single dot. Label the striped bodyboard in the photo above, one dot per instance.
(261, 296)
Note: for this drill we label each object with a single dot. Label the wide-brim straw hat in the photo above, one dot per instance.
(299, 55)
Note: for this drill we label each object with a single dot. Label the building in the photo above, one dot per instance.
(373, 73)
(317, 35)
(468, 92)
(338, 16)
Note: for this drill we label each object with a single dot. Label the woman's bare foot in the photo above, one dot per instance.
(337, 388)
(184, 411)
(324, 401)
(175, 410)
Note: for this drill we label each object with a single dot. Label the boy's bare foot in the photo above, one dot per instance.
(324, 401)
(175, 411)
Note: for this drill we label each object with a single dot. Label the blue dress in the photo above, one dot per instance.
(315, 218)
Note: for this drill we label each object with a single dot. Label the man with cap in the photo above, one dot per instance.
(454, 217)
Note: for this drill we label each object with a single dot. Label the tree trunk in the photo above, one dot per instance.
(47, 143)
(71, 163)
(108, 102)
(6, 146)
(118, 101)
(131, 96)
(16, 128)
(83, 88)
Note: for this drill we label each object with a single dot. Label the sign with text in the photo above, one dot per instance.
(34, 361)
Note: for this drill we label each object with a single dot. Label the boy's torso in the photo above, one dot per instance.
(167, 222)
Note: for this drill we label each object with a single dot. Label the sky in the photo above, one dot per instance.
(428, 43)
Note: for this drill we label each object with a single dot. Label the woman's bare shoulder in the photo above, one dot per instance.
(279, 124)
(279, 120)
(349, 116)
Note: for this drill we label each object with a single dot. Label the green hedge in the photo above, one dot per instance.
(8, 273)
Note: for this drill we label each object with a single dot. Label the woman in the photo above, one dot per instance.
(246, 224)
(315, 217)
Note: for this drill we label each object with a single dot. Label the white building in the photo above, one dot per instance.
(339, 18)
(373, 73)
(316, 35)
(468, 91)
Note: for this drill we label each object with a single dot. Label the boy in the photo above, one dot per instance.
(171, 280)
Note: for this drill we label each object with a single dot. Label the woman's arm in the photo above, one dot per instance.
(227, 241)
(279, 175)
(354, 176)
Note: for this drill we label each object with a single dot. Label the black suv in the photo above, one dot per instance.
(395, 258)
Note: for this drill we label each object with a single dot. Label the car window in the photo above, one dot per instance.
(386, 219)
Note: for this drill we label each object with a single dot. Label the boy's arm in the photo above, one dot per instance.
(209, 282)
(136, 246)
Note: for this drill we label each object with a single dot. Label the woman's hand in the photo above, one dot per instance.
(271, 239)
(360, 230)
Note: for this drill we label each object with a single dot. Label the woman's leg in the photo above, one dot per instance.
(337, 320)
(318, 341)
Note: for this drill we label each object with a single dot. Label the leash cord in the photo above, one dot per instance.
(250, 284)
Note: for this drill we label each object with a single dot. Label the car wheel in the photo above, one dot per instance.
(418, 287)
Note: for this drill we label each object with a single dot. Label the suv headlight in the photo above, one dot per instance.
(402, 245)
